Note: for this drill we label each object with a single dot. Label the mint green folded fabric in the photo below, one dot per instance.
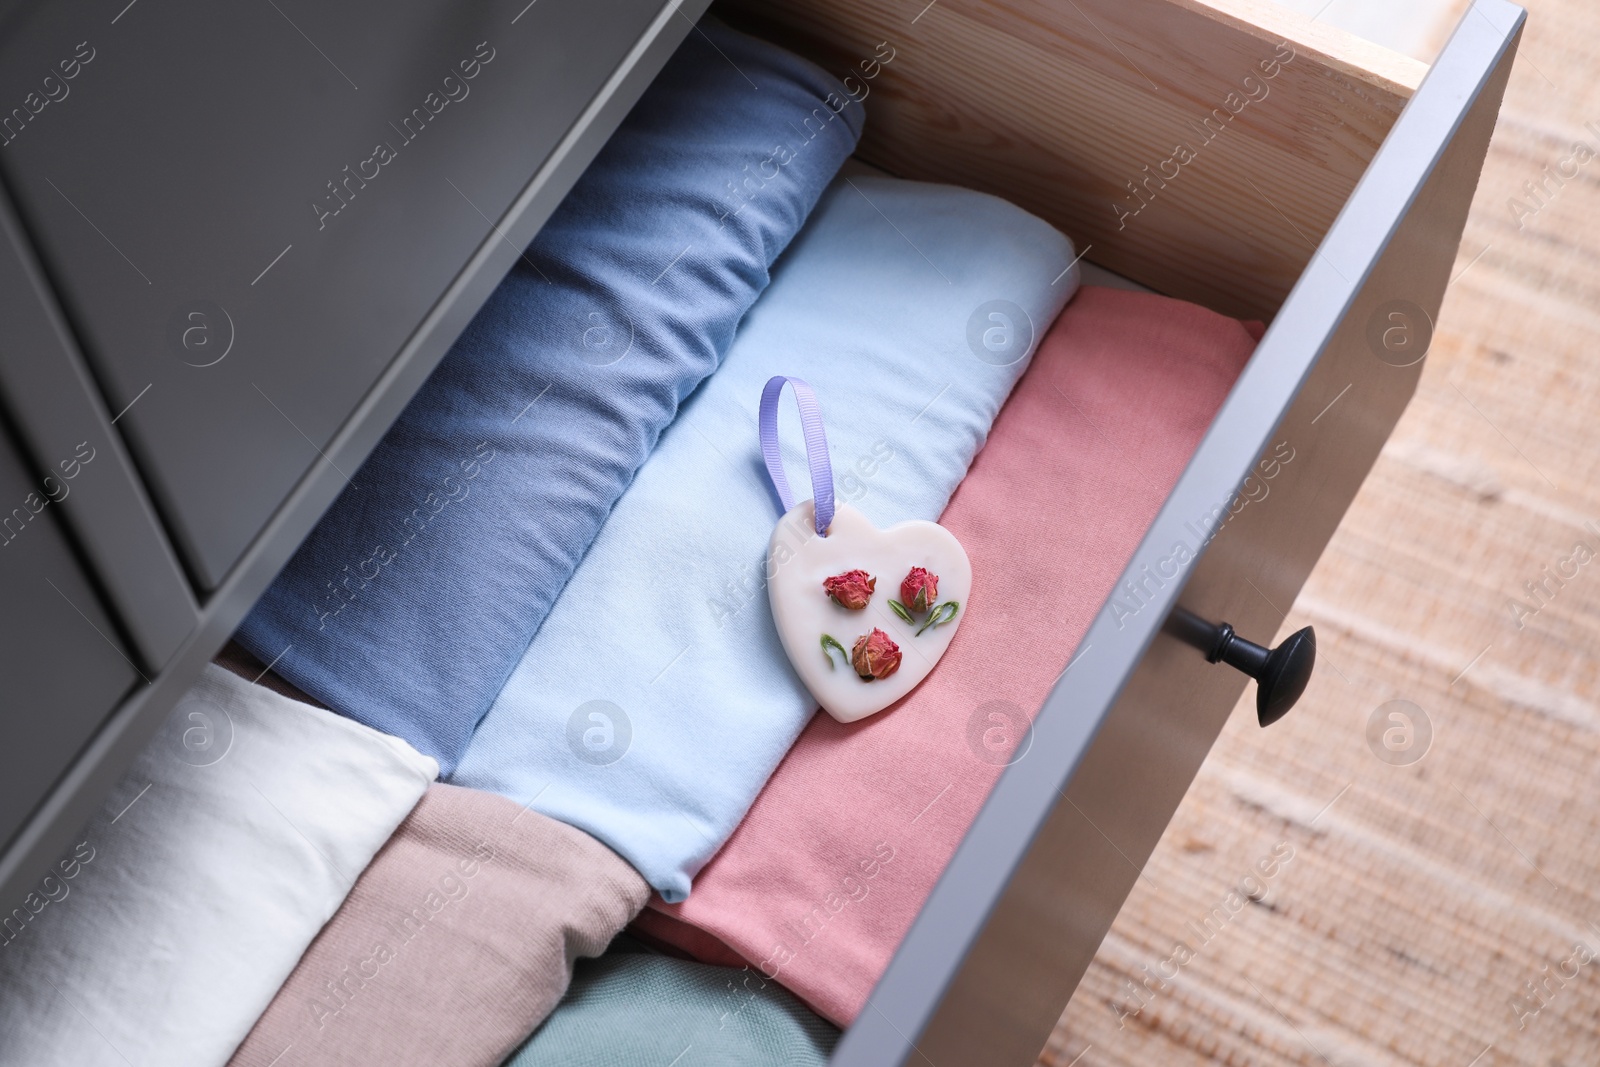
(634, 1006)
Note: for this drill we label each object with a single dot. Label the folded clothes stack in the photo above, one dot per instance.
(550, 580)
(233, 838)
(476, 908)
(696, 702)
(823, 877)
(412, 600)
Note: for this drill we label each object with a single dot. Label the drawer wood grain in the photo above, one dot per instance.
(1076, 111)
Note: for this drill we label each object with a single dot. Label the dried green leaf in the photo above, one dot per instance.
(941, 615)
(829, 642)
(902, 611)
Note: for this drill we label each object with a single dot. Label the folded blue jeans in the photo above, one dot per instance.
(414, 597)
(657, 699)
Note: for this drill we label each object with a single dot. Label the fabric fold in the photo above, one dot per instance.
(818, 885)
(454, 944)
(163, 935)
(411, 601)
(635, 1006)
(657, 697)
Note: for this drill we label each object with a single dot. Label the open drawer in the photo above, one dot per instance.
(1231, 154)
(1241, 157)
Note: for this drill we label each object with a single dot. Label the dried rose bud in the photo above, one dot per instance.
(920, 589)
(875, 655)
(852, 589)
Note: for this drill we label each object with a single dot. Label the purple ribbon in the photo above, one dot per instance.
(816, 447)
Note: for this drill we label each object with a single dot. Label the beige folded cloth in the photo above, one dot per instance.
(454, 944)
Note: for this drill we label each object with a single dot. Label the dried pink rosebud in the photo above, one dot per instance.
(875, 655)
(920, 590)
(852, 589)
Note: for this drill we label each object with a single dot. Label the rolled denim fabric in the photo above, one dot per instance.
(414, 597)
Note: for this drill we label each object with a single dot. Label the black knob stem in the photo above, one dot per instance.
(1281, 673)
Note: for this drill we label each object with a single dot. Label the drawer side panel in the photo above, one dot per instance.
(79, 791)
(63, 665)
(59, 414)
(248, 210)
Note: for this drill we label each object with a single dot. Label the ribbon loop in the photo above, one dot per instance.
(816, 447)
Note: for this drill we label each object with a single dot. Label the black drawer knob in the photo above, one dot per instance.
(1281, 673)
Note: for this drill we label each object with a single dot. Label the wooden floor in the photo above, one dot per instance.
(1423, 902)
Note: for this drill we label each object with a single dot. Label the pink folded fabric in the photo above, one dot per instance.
(824, 876)
(455, 943)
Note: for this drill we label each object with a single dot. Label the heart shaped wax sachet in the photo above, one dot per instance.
(857, 648)
(910, 581)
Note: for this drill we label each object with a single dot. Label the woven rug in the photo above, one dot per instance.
(1434, 895)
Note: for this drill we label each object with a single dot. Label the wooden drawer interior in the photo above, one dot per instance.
(1080, 112)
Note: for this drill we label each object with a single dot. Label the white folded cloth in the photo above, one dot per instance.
(161, 937)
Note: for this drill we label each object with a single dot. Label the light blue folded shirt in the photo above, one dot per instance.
(657, 698)
(409, 604)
